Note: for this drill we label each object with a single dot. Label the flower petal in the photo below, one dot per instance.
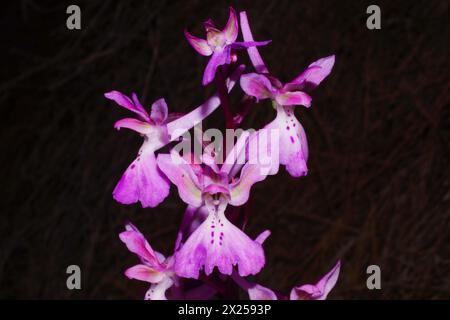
(231, 28)
(181, 174)
(319, 291)
(217, 59)
(253, 52)
(159, 111)
(145, 273)
(138, 105)
(240, 190)
(200, 45)
(123, 101)
(293, 146)
(133, 124)
(142, 181)
(314, 74)
(262, 236)
(249, 44)
(256, 85)
(136, 243)
(294, 98)
(218, 243)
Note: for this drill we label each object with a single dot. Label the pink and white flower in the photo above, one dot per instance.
(293, 144)
(154, 267)
(216, 242)
(219, 45)
(143, 181)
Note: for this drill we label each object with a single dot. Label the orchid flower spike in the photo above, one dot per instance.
(219, 45)
(293, 145)
(216, 242)
(154, 267)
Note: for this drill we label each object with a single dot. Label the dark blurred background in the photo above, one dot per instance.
(378, 186)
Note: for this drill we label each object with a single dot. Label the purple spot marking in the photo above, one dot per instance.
(292, 139)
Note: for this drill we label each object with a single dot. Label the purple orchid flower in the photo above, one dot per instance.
(143, 181)
(219, 45)
(216, 242)
(293, 147)
(318, 291)
(154, 267)
(293, 144)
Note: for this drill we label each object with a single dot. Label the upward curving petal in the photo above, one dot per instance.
(181, 174)
(145, 273)
(256, 85)
(159, 111)
(136, 243)
(138, 104)
(240, 190)
(200, 45)
(123, 101)
(313, 75)
(293, 98)
(320, 290)
(231, 28)
(133, 124)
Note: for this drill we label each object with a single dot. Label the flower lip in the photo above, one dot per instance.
(218, 243)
